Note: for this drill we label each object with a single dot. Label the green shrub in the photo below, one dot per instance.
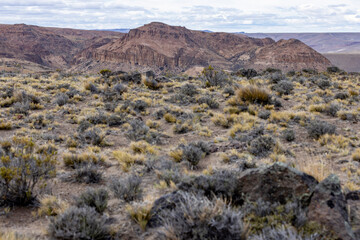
(23, 171)
(211, 77)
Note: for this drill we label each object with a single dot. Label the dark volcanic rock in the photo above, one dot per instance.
(328, 208)
(276, 183)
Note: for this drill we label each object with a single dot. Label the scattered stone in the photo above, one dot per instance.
(328, 208)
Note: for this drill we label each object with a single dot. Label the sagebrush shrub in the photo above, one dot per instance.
(95, 198)
(262, 145)
(86, 173)
(211, 77)
(317, 128)
(196, 217)
(23, 170)
(283, 233)
(79, 223)
(189, 89)
(284, 87)
(127, 189)
(209, 100)
(61, 99)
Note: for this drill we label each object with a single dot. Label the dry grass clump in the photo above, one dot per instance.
(356, 155)
(142, 147)
(253, 94)
(169, 118)
(315, 166)
(72, 160)
(51, 206)
(140, 213)
(5, 125)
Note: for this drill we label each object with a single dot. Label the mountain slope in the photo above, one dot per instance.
(51, 47)
(158, 45)
(321, 42)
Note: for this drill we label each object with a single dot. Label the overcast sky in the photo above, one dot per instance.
(224, 15)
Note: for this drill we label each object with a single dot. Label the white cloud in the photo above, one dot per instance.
(227, 15)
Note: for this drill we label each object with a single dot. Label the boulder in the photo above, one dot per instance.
(353, 201)
(275, 183)
(328, 207)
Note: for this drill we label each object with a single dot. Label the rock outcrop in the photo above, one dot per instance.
(328, 207)
(276, 183)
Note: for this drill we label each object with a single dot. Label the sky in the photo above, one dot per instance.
(225, 15)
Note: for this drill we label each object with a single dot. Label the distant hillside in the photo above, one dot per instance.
(342, 49)
(321, 42)
(347, 61)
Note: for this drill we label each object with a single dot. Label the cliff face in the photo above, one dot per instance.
(155, 46)
(158, 45)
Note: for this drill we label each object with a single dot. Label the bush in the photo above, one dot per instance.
(332, 109)
(248, 73)
(76, 160)
(94, 136)
(183, 128)
(221, 184)
(189, 89)
(262, 145)
(51, 206)
(86, 173)
(94, 198)
(22, 170)
(120, 88)
(341, 95)
(323, 83)
(253, 94)
(127, 189)
(229, 90)
(211, 77)
(317, 128)
(79, 223)
(277, 77)
(196, 217)
(20, 108)
(333, 69)
(105, 72)
(288, 135)
(282, 233)
(284, 87)
(138, 130)
(61, 99)
(193, 152)
(265, 114)
(152, 83)
(209, 100)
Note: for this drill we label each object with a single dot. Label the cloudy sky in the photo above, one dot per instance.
(224, 15)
